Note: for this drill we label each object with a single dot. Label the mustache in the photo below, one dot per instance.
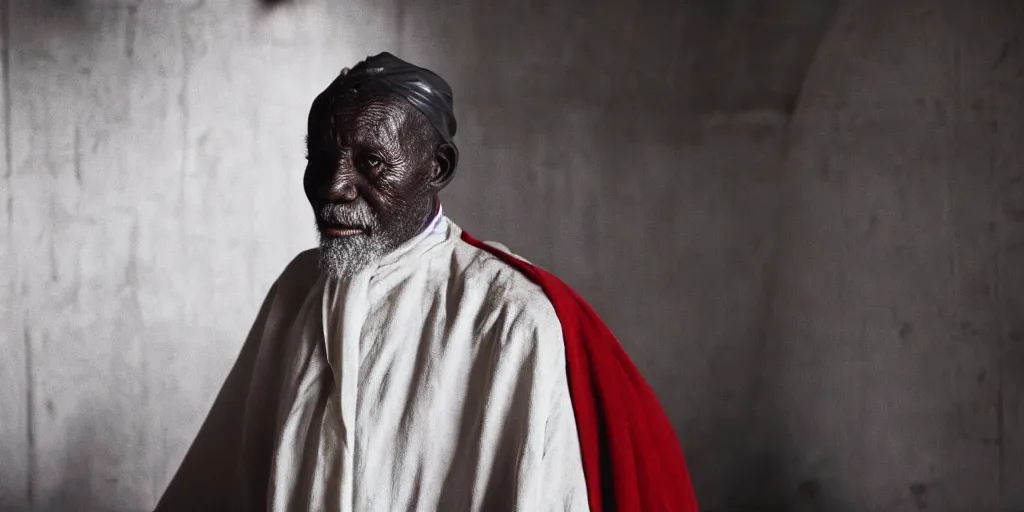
(355, 216)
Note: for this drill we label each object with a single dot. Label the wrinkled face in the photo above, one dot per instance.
(373, 172)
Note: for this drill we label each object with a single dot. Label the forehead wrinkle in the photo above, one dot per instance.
(381, 122)
(380, 130)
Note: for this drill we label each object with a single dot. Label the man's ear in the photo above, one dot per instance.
(446, 158)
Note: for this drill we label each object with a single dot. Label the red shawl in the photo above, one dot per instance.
(632, 459)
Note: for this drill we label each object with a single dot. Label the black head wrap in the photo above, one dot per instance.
(424, 89)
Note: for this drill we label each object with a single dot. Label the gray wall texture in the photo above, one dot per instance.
(803, 218)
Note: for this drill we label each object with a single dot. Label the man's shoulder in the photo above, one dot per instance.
(301, 273)
(304, 262)
(518, 308)
(504, 287)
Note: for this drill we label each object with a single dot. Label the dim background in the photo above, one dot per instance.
(803, 218)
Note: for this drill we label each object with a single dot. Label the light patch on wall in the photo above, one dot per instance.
(131, 3)
(288, 23)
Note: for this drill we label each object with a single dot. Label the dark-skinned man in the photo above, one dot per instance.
(404, 365)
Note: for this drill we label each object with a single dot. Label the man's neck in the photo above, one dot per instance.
(435, 208)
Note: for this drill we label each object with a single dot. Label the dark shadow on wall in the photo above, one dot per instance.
(761, 52)
(12, 503)
(759, 478)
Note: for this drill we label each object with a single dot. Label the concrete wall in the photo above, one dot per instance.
(895, 346)
(809, 251)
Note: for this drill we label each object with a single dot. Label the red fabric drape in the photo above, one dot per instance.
(632, 459)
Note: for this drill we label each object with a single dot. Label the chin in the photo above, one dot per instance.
(343, 257)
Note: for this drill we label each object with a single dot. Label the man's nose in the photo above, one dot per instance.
(341, 188)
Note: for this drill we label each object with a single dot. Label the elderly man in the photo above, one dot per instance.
(407, 366)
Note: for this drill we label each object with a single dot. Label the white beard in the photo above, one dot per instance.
(343, 258)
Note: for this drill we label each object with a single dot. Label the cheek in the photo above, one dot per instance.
(312, 183)
(398, 191)
(307, 184)
(398, 182)
(388, 192)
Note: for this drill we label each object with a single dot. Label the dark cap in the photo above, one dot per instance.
(424, 89)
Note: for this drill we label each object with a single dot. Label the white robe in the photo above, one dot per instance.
(433, 380)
